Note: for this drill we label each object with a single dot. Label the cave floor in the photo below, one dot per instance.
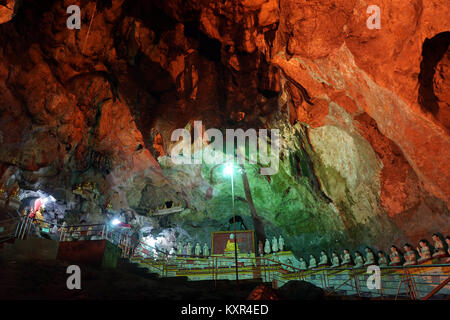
(46, 280)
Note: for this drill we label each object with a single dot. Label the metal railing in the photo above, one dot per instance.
(414, 281)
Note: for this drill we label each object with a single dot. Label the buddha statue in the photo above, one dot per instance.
(370, 257)
(205, 250)
(335, 260)
(346, 258)
(281, 243)
(439, 250)
(179, 248)
(359, 260)
(382, 260)
(424, 251)
(230, 244)
(274, 245)
(302, 265)
(395, 257)
(267, 247)
(312, 262)
(410, 255)
(189, 249)
(198, 249)
(323, 261)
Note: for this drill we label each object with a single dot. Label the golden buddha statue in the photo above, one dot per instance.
(230, 245)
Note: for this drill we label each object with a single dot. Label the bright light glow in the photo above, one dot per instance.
(115, 222)
(228, 170)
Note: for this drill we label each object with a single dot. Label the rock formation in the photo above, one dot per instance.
(363, 114)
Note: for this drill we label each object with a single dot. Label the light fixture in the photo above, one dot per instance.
(115, 222)
(228, 170)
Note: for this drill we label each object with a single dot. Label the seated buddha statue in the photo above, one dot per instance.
(424, 251)
(335, 260)
(382, 260)
(303, 265)
(346, 258)
(359, 260)
(323, 261)
(410, 255)
(370, 257)
(395, 257)
(439, 250)
(312, 262)
(230, 245)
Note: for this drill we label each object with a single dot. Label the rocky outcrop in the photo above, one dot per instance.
(363, 114)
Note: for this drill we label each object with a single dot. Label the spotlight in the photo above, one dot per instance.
(228, 170)
(115, 222)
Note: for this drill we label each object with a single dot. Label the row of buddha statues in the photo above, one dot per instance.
(395, 256)
(198, 250)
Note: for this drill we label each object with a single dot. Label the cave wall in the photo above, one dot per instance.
(363, 114)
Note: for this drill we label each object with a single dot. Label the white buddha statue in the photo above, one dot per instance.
(281, 243)
(274, 245)
(370, 257)
(198, 249)
(439, 250)
(205, 250)
(267, 246)
(302, 264)
(410, 255)
(189, 249)
(323, 261)
(335, 260)
(179, 248)
(395, 257)
(424, 251)
(359, 260)
(346, 258)
(382, 260)
(312, 262)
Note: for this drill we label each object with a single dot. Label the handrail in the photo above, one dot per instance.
(437, 289)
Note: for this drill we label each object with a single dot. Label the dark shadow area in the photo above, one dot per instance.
(432, 52)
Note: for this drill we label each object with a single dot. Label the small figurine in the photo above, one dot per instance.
(424, 251)
(370, 257)
(395, 257)
(346, 258)
(179, 248)
(312, 262)
(359, 260)
(335, 260)
(189, 249)
(274, 244)
(303, 265)
(409, 255)
(323, 261)
(267, 246)
(198, 249)
(281, 243)
(382, 260)
(205, 250)
(438, 247)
